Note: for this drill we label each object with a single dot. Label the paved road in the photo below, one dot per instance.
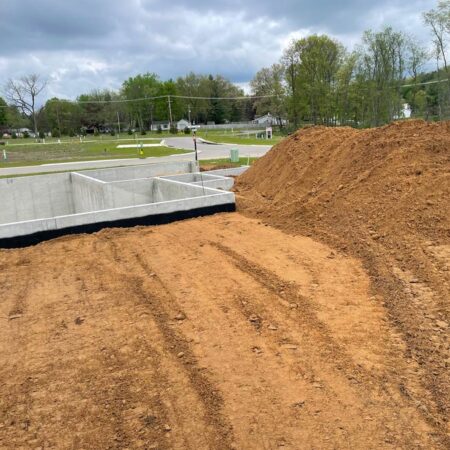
(211, 151)
(205, 151)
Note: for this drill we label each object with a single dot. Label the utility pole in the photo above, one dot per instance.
(170, 111)
(118, 122)
(151, 117)
(189, 114)
(57, 117)
(194, 136)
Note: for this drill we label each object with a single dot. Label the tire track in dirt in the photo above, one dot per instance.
(289, 295)
(244, 365)
(156, 412)
(16, 405)
(197, 260)
(415, 327)
(150, 291)
(304, 311)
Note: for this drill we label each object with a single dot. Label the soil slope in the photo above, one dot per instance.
(213, 333)
(381, 195)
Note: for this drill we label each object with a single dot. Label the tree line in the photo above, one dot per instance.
(142, 102)
(316, 81)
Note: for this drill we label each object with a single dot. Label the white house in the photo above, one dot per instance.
(182, 124)
(163, 125)
(269, 120)
(20, 132)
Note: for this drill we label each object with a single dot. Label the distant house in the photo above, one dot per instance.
(182, 124)
(163, 125)
(405, 113)
(269, 120)
(20, 132)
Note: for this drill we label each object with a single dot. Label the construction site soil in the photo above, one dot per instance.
(316, 317)
(383, 196)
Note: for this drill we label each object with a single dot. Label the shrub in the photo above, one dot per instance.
(14, 135)
(173, 129)
(96, 132)
(56, 133)
(187, 130)
(41, 135)
(112, 133)
(159, 129)
(143, 132)
(130, 132)
(71, 133)
(26, 135)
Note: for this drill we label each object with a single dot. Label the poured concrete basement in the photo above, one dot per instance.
(40, 207)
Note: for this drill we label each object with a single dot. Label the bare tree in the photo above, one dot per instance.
(22, 93)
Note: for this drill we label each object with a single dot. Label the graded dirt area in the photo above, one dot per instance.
(382, 196)
(212, 333)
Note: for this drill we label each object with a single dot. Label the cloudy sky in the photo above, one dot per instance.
(80, 45)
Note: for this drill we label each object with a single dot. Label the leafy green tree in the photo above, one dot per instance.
(380, 74)
(3, 113)
(268, 84)
(62, 115)
(312, 65)
(193, 85)
(417, 57)
(136, 90)
(99, 109)
(291, 63)
(438, 20)
(224, 105)
(216, 111)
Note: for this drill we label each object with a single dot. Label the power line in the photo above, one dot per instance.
(425, 83)
(186, 97)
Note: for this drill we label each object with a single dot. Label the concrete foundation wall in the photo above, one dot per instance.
(131, 192)
(147, 171)
(204, 179)
(111, 215)
(35, 197)
(233, 172)
(90, 194)
(164, 190)
(47, 204)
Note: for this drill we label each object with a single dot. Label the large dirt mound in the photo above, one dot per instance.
(394, 178)
(382, 195)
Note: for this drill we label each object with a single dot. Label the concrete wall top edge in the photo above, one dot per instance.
(205, 188)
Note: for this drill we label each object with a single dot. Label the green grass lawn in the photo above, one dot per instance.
(29, 153)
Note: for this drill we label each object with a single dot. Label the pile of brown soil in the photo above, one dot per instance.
(382, 195)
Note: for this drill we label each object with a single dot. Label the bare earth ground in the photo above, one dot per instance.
(212, 333)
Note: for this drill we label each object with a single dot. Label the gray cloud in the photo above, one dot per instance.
(85, 44)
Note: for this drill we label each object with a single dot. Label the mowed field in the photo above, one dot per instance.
(26, 152)
(212, 333)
